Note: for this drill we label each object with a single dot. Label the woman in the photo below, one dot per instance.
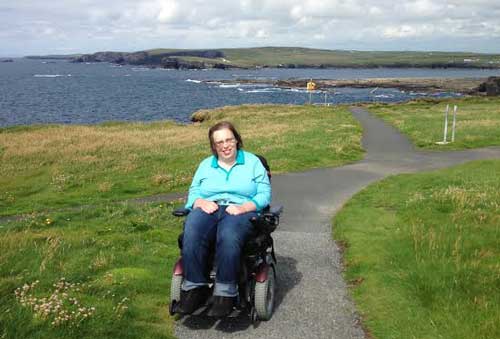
(228, 189)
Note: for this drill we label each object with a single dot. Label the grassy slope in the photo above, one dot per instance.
(44, 167)
(478, 121)
(423, 253)
(274, 56)
(118, 259)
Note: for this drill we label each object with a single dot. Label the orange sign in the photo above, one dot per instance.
(311, 86)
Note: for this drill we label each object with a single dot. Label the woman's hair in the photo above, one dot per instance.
(223, 125)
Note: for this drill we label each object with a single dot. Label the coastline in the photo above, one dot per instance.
(288, 57)
(431, 85)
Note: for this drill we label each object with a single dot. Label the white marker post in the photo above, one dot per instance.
(444, 142)
(454, 122)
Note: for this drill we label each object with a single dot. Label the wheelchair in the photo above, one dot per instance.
(257, 277)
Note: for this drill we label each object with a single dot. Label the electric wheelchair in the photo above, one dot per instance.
(257, 277)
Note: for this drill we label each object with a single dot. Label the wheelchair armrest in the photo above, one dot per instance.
(276, 210)
(181, 212)
(267, 221)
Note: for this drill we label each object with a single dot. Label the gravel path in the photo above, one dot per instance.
(312, 298)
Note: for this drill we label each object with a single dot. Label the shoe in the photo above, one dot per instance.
(191, 300)
(221, 306)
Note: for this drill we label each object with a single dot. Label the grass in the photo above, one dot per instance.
(478, 121)
(100, 272)
(423, 252)
(103, 271)
(55, 166)
(307, 57)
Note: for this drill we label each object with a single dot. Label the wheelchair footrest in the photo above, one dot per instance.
(201, 310)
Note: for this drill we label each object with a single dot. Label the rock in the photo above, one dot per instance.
(113, 57)
(491, 86)
(137, 58)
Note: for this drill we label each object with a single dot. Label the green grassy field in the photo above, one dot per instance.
(50, 167)
(422, 253)
(102, 272)
(303, 57)
(478, 121)
(423, 249)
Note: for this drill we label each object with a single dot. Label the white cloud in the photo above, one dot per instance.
(374, 10)
(424, 7)
(349, 24)
(169, 11)
(406, 31)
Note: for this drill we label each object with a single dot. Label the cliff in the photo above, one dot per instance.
(293, 57)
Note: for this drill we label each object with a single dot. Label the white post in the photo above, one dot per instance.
(454, 121)
(325, 98)
(446, 123)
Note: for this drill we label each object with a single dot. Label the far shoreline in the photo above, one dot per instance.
(428, 85)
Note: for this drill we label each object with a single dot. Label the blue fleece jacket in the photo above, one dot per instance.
(246, 181)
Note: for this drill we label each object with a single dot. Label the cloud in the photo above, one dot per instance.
(406, 31)
(350, 24)
(424, 8)
(170, 11)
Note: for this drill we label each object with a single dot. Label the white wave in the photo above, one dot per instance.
(297, 90)
(265, 90)
(195, 81)
(384, 96)
(47, 75)
(257, 91)
(229, 85)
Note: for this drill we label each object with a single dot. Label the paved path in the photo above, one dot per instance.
(312, 300)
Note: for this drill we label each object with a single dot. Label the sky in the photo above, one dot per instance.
(33, 27)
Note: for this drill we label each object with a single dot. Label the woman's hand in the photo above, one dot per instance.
(206, 206)
(240, 209)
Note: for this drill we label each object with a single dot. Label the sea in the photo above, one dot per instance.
(61, 92)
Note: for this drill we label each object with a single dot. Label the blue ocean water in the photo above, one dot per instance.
(36, 91)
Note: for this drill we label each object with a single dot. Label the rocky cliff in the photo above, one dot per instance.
(491, 86)
(164, 60)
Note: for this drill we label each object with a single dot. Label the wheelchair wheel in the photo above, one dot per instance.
(175, 288)
(264, 296)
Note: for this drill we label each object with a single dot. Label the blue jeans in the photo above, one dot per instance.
(229, 233)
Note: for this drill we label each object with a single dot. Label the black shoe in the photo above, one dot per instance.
(221, 307)
(191, 300)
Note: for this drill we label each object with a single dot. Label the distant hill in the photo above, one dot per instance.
(291, 57)
(53, 57)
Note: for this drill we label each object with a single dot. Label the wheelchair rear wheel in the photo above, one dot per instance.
(264, 296)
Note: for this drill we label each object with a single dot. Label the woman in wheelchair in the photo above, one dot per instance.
(229, 188)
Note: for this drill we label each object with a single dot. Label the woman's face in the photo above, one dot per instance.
(225, 145)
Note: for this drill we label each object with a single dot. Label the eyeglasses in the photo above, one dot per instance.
(229, 141)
